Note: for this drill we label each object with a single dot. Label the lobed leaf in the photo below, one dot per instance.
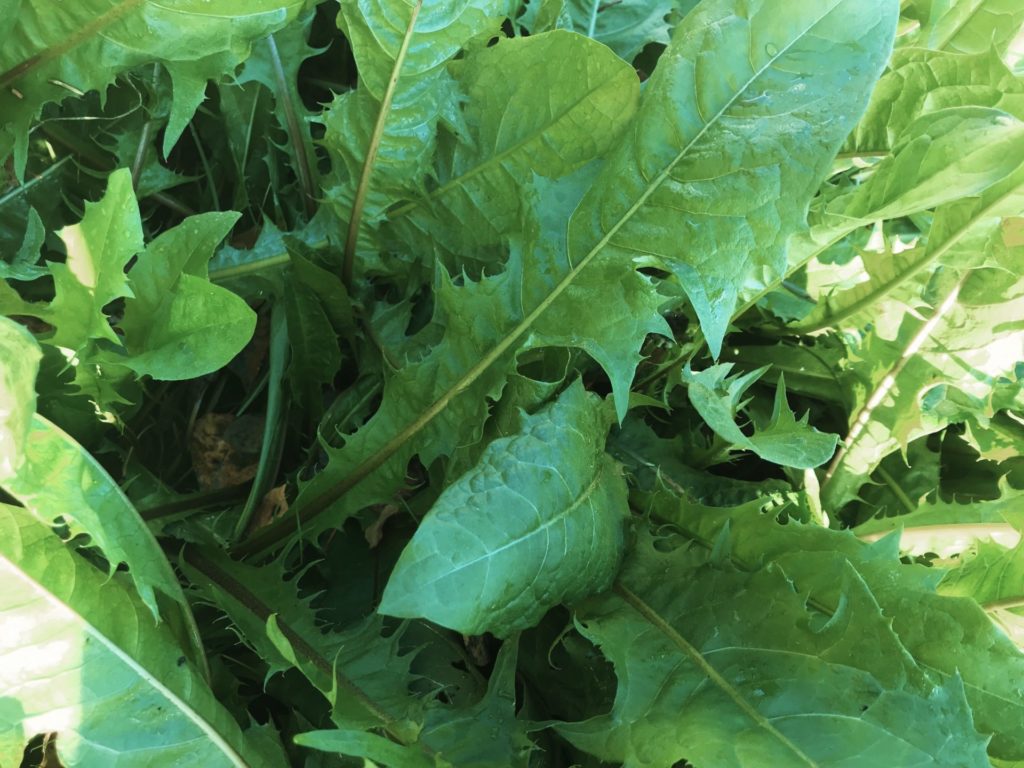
(732, 668)
(704, 184)
(783, 440)
(949, 638)
(566, 103)
(54, 50)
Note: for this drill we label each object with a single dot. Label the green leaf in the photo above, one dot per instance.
(524, 530)
(479, 736)
(58, 480)
(783, 440)
(956, 363)
(486, 733)
(382, 135)
(92, 665)
(970, 26)
(178, 325)
(20, 355)
(732, 668)
(948, 529)
(921, 81)
(651, 459)
(198, 329)
(929, 167)
(99, 248)
(704, 184)
(363, 675)
(57, 49)
(438, 400)
(951, 639)
(24, 264)
(367, 745)
(544, 104)
(625, 27)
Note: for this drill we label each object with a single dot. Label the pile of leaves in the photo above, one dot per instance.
(490, 383)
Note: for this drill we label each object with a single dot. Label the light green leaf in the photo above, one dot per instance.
(57, 49)
(19, 364)
(951, 639)
(948, 529)
(625, 27)
(525, 529)
(197, 329)
(967, 148)
(178, 325)
(366, 745)
(957, 363)
(59, 479)
(783, 440)
(99, 248)
(970, 26)
(940, 158)
(382, 135)
(921, 81)
(542, 16)
(704, 184)
(544, 104)
(729, 668)
(86, 660)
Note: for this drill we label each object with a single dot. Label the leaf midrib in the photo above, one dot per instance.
(581, 499)
(914, 268)
(126, 658)
(329, 496)
(697, 658)
(496, 160)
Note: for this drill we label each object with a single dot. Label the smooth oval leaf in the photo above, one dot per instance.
(540, 520)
